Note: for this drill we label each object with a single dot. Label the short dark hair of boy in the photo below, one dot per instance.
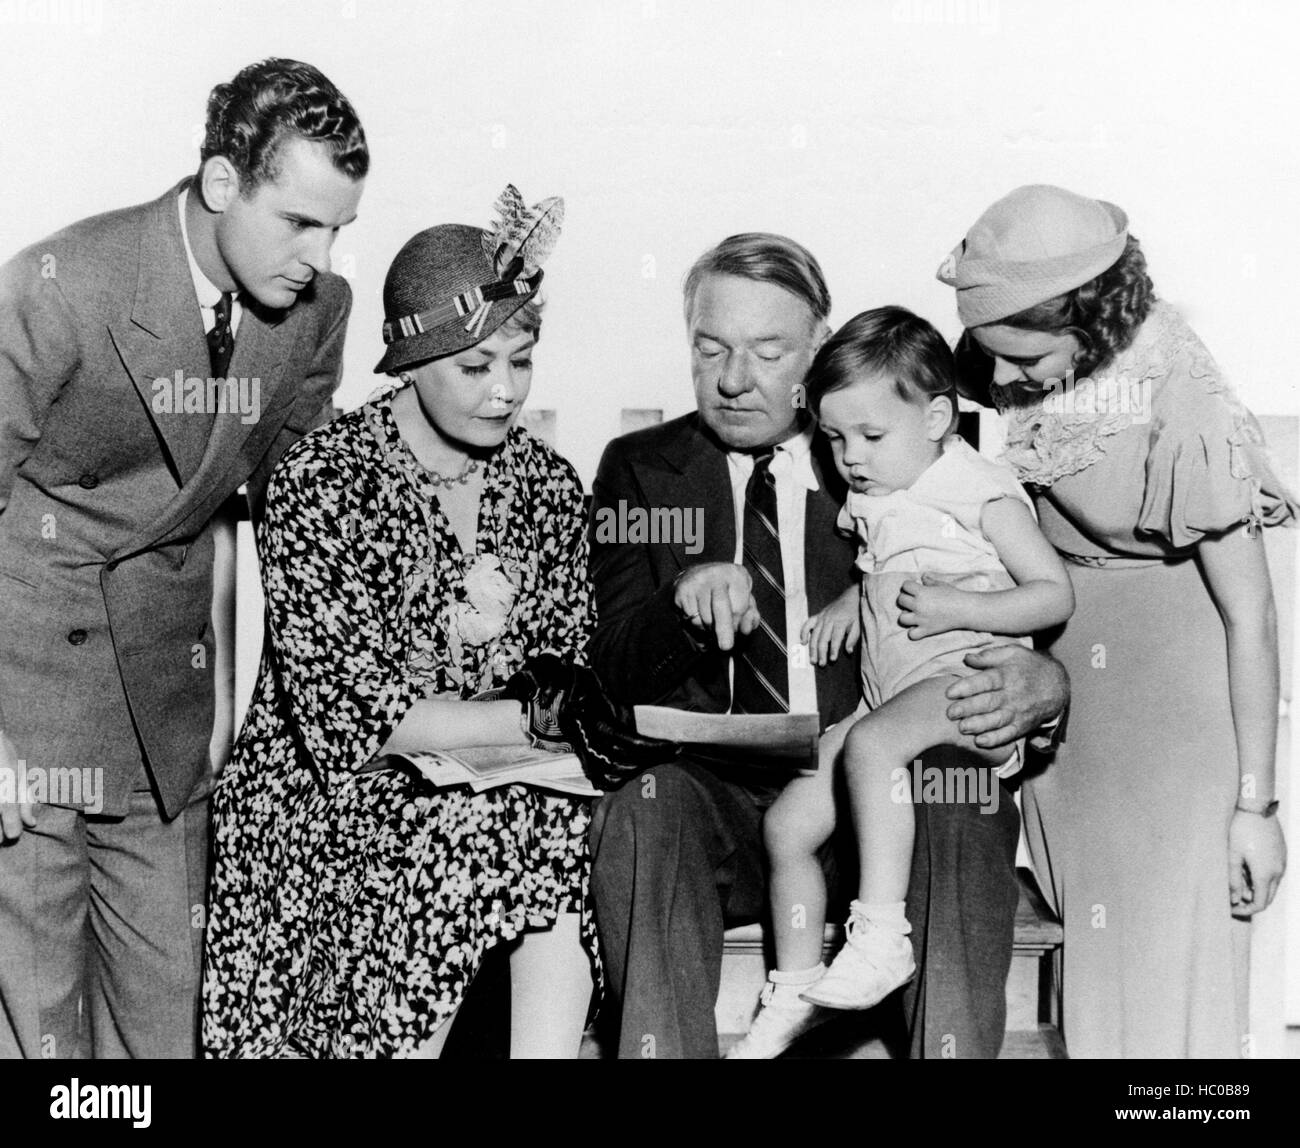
(890, 342)
(275, 100)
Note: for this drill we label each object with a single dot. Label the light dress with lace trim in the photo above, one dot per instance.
(1128, 825)
(1066, 429)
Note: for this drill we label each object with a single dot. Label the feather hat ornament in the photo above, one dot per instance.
(452, 285)
(523, 237)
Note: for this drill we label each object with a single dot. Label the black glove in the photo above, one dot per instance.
(569, 711)
(543, 685)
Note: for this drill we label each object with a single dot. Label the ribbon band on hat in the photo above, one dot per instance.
(452, 285)
(471, 306)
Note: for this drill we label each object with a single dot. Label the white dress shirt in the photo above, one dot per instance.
(791, 467)
(208, 294)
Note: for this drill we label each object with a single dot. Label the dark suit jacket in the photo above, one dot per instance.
(106, 504)
(642, 649)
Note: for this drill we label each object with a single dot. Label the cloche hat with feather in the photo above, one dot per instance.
(452, 285)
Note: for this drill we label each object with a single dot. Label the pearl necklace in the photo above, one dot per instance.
(447, 481)
(442, 481)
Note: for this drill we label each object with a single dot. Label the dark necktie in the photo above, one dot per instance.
(221, 339)
(761, 681)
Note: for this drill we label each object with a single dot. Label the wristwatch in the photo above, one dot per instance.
(1262, 808)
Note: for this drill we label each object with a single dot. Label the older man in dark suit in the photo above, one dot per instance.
(152, 361)
(678, 854)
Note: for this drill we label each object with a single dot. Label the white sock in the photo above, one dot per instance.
(888, 915)
(798, 977)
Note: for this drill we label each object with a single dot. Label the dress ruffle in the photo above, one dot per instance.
(1208, 469)
(1209, 481)
(1045, 445)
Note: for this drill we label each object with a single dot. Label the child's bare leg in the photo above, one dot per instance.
(800, 821)
(798, 824)
(877, 957)
(880, 748)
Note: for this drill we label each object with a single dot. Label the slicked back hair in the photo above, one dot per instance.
(767, 258)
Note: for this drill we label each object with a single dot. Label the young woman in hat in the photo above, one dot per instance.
(416, 552)
(1155, 825)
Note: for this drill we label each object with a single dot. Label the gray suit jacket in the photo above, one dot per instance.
(106, 502)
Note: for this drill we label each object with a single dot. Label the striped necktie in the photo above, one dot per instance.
(762, 674)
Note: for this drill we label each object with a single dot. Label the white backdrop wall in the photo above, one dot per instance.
(873, 132)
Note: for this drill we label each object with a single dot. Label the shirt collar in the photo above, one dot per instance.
(209, 294)
(955, 450)
(794, 456)
(953, 455)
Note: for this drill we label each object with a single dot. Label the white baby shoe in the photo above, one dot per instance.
(782, 1017)
(871, 965)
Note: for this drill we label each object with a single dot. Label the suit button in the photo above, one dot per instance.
(88, 481)
(76, 637)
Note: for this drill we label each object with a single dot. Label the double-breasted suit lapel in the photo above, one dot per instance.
(261, 347)
(166, 335)
(106, 543)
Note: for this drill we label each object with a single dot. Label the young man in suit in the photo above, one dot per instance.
(678, 853)
(152, 361)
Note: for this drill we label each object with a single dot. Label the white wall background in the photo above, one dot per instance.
(873, 132)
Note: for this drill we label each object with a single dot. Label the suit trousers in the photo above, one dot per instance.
(677, 858)
(676, 862)
(101, 932)
(961, 902)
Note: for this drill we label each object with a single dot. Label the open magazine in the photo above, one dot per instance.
(489, 766)
(786, 743)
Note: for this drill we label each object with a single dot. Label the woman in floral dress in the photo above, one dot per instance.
(1154, 828)
(415, 552)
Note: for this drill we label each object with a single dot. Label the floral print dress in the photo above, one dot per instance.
(350, 910)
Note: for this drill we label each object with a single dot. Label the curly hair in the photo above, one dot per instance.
(1104, 314)
(251, 117)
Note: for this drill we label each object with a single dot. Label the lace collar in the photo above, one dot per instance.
(1061, 431)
